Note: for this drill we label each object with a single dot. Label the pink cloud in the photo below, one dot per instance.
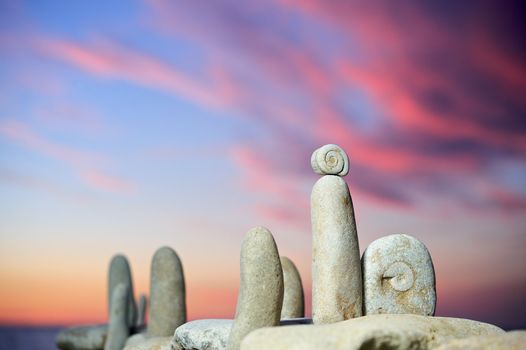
(107, 182)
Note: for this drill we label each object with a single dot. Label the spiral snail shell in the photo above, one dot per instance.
(330, 160)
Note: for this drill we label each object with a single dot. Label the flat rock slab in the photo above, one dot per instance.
(515, 340)
(369, 332)
(212, 334)
(83, 338)
(155, 343)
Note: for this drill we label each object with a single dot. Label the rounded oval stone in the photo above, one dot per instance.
(118, 329)
(261, 286)
(399, 277)
(141, 312)
(167, 294)
(336, 269)
(293, 304)
(119, 272)
(82, 337)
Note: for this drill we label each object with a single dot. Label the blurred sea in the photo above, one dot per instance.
(28, 338)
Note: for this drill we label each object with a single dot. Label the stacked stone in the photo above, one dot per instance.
(336, 268)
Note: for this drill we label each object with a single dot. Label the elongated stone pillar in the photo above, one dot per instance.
(399, 277)
(118, 329)
(167, 294)
(261, 286)
(120, 273)
(336, 269)
(293, 304)
(141, 312)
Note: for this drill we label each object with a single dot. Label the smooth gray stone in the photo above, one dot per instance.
(293, 304)
(167, 294)
(212, 334)
(118, 329)
(336, 268)
(152, 343)
(369, 332)
(119, 272)
(91, 337)
(261, 289)
(514, 340)
(399, 277)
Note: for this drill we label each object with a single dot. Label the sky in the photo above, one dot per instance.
(126, 126)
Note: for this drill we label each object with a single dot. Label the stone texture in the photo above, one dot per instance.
(141, 312)
(135, 339)
(515, 340)
(293, 303)
(398, 277)
(154, 343)
(167, 294)
(118, 329)
(211, 334)
(369, 332)
(82, 338)
(336, 268)
(120, 272)
(330, 160)
(261, 286)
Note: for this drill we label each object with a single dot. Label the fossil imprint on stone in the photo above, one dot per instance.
(330, 160)
(398, 277)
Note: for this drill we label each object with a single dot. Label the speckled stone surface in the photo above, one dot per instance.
(261, 286)
(120, 272)
(398, 277)
(118, 329)
(208, 334)
(515, 340)
(336, 268)
(369, 332)
(153, 343)
(293, 303)
(82, 338)
(167, 294)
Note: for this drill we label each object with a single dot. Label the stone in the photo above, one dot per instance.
(154, 343)
(514, 340)
(135, 339)
(336, 268)
(82, 338)
(210, 334)
(399, 277)
(330, 160)
(118, 329)
(293, 304)
(120, 272)
(167, 294)
(141, 312)
(380, 331)
(261, 286)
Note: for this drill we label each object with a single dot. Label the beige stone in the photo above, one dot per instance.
(515, 340)
(120, 272)
(167, 294)
(82, 338)
(398, 276)
(330, 160)
(209, 334)
(293, 304)
(369, 332)
(261, 286)
(118, 329)
(336, 268)
(154, 343)
(136, 338)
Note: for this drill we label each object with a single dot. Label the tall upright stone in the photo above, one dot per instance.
(167, 294)
(293, 303)
(336, 269)
(399, 277)
(118, 329)
(261, 286)
(120, 272)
